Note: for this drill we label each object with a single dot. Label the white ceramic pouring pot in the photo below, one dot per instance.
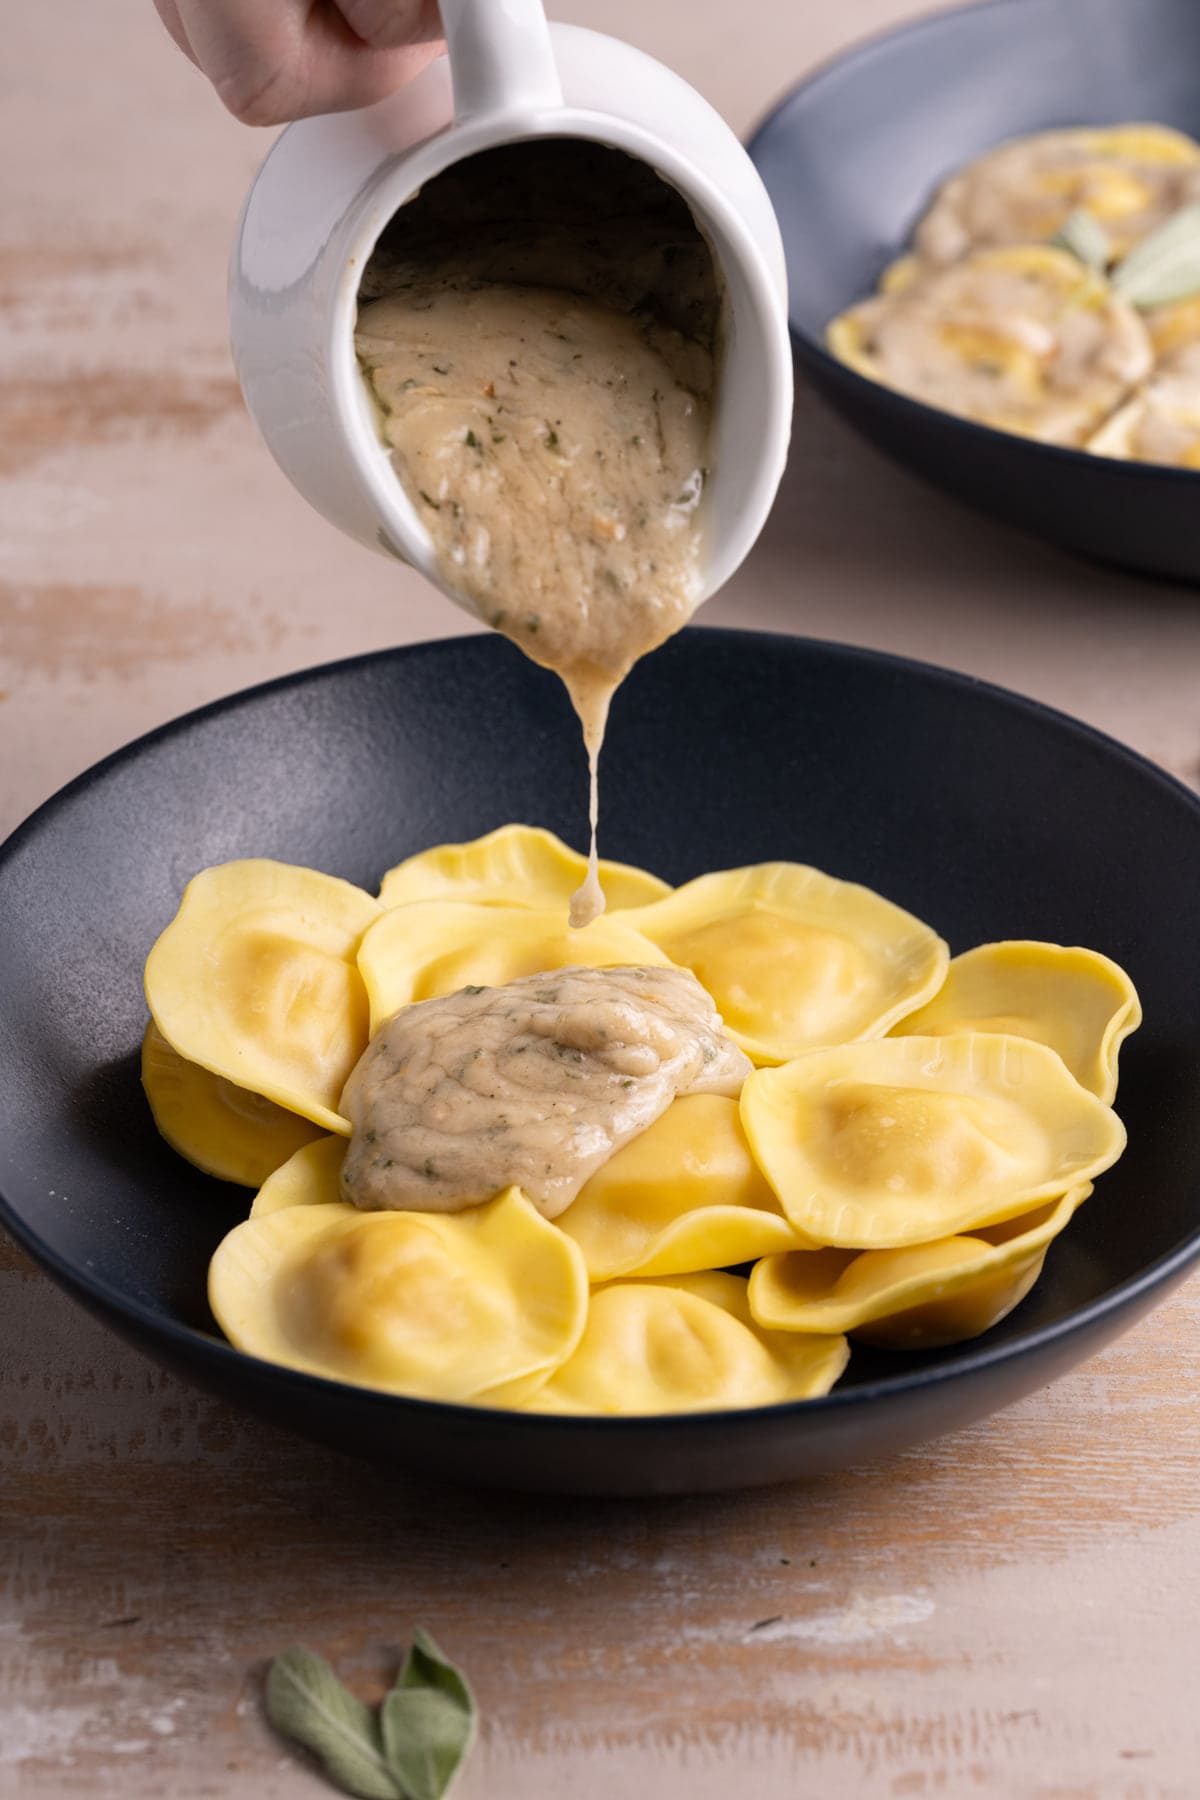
(330, 185)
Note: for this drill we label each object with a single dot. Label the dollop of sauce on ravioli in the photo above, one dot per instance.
(532, 1085)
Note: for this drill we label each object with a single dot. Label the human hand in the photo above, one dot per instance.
(274, 60)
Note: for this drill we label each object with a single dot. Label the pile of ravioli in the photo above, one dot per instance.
(915, 1133)
(993, 317)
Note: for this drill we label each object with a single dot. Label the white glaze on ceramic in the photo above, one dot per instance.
(330, 185)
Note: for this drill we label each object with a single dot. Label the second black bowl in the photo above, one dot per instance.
(851, 159)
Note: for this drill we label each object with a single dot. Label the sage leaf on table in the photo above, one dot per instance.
(428, 1721)
(306, 1702)
(1165, 266)
(1086, 238)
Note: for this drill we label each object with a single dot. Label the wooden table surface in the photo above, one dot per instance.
(1011, 1611)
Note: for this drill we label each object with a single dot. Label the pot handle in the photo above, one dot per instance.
(501, 59)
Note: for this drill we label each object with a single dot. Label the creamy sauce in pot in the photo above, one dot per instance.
(534, 1084)
(539, 329)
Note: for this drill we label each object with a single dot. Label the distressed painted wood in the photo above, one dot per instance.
(1012, 1611)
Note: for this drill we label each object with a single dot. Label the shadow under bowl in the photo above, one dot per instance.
(985, 814)
(853, 156)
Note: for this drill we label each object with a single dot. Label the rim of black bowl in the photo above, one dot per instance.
(813, 349)
(205, 1345)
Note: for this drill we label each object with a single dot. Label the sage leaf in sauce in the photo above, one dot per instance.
(428, 1722)
(1165, 266)
(1086, 238)
(306, 1702)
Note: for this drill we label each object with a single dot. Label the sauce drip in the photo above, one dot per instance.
(539, 330)
(534, 1084)
(587, 902)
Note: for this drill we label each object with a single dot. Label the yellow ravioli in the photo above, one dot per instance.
(309, 1178)
(686, 1195)
(1160, 423)
(794, 958)
(901, 274)
(1129, 178)
(255, 980)
(479, 1306)
(1160, 146)
(896, 1142)
(225, 1130)
(1175, 325)
(1022, 338)
(917, 1298)
(1076, 1001)
(520, 865)
(686, 1345)
(435, 947)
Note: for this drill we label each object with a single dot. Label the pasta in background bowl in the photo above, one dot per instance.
(870, 150)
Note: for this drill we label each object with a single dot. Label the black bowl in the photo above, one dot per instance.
(851, 159)
(985, 814)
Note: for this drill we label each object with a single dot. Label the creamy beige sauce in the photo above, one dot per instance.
(1161, 424)
(1168, 430)
(534, 1084)
(1032, 350)
(539, 328)
(1131, 179)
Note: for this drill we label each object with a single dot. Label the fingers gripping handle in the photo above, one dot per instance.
(500, 56)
